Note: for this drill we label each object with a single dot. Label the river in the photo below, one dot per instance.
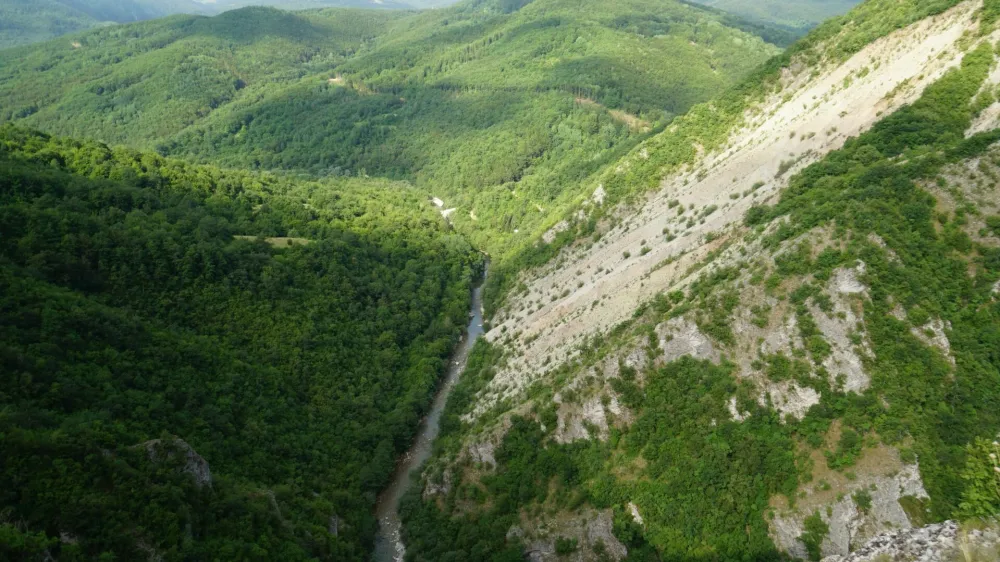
(389, 543)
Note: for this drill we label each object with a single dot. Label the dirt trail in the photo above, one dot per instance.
(594, 289)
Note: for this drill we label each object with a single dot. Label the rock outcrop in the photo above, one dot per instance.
(942, 541)
(194, 464)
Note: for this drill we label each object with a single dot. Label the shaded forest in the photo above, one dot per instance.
(289, 333)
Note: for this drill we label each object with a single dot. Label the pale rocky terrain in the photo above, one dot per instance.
(940, 542)
(880, 473)
(811, 117)
(589, 528)
(691, 227)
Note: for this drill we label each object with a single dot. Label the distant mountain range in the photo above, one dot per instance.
(31, 21)
(800, 14)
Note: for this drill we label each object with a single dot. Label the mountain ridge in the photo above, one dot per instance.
(785, 345)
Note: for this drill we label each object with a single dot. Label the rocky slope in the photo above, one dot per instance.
(813, 280)
(942, 541)
(816, 110)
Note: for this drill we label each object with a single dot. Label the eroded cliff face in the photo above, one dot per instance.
(696, 208)
(683, 277)
(940, 541)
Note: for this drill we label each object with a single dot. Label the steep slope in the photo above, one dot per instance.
(769, 329)
(815, 112)
(204, 364)
(552, 90)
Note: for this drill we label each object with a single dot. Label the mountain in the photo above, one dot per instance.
(770, 330)
(32, 21)
(24, 22)
(553, 90)
(795, 14)
(743, 302)
(227, 363)
(132, 10)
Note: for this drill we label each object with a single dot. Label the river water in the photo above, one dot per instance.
(389, 543)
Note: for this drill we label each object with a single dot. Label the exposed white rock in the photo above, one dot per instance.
(838, 326)
(849, 526)
(194, 464)
(785, 531)
(680, 337)
(483, 448)
(68, 538)
(815, 100)
(784, 338)
(845, 281)
(790, 399)
(588, 527)
(636, 359)
(734, 410)
(933, 543)
(933, 334)
(152, 555)
(437, 202)
(574, 421)
(441, 488)
(880, 242)
(599, 195)
(634, 510)
(898, 313)
(550, 235)
(483, 453)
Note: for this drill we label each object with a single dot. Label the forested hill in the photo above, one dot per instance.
(202, 364)
(24, 22)
(550, 90)
(792, 14)
(31, 21)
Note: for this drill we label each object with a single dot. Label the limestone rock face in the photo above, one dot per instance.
(194, 464)
(942, 541)
(680, 337)
(588, 527)
(889, 484)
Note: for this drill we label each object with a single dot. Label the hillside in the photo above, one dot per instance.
(32, 21)
(277, 340)
(553, 91)
(23, 22)
(794, 14)
(770, 331)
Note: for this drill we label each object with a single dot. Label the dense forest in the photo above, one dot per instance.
(158, 315)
